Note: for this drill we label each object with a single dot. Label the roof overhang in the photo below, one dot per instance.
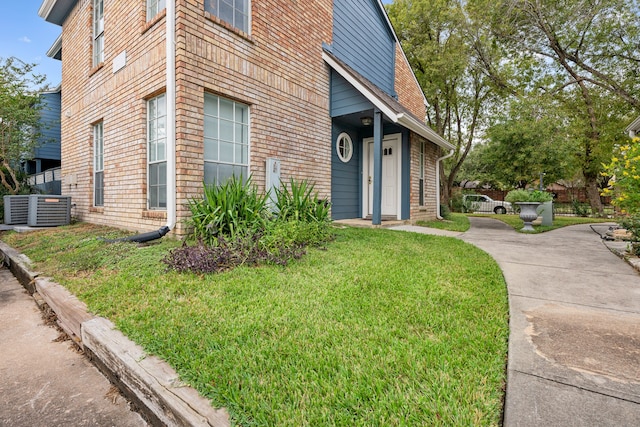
(56, 11)
(55, 51)
(634, 128)
(393, 114)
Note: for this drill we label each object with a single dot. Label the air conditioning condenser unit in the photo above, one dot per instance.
(16, 209)
(48, 210)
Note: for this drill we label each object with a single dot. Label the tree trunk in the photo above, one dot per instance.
(593, 194)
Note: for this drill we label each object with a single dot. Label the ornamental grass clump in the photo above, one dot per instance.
(232, 209)
(234, 225)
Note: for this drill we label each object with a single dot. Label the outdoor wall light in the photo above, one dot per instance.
(366, 121)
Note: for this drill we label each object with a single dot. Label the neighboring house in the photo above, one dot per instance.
(163, 95)
(45, 162)
(634, 128)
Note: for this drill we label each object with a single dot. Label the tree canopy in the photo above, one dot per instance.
(19, 118)
(574, 64)
(438, 37)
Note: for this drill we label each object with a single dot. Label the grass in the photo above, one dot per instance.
(455, 222)
(382, 328)
(558, 222)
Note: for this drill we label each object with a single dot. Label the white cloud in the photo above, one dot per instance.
(25, 39)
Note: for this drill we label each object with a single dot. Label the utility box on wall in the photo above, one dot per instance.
(272, 179)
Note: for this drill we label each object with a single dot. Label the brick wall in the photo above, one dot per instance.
(408, 90)
(431, 154)
(277, 70)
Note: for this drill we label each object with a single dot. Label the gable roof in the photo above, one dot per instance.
(389, 106)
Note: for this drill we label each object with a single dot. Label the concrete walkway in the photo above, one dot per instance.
(574, 344)
(44, 381)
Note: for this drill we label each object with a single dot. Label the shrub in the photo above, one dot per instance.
(300, 203)
(624, 185)
(580, 209)
(456, 202)
(227, 254)
(232, 225)
(445, 212)
(521, 195)
(229, 210)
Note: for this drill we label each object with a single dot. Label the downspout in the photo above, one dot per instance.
(171, 133)
(438, 182)
(171, 112)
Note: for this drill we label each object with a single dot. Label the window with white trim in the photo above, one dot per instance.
(154, 7)
(421, 186)
(226, 139)
(234, 12)
(157, 149)
(98, 164)
(98, 32)
(344, 147)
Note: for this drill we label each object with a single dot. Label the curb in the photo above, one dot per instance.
(147, 381)
(622, 253)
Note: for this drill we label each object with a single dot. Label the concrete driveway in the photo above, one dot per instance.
(574, 345)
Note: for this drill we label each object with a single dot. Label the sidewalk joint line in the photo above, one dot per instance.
(576, 387)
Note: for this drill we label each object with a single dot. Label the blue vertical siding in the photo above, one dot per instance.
(50, 118)
(346, 198)
(364, 41)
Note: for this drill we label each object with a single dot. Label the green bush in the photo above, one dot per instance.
(445, 212)
(456, 202)
(232, 225)
(232, 209)
(580, 209)
(300, 203)
(521, 195)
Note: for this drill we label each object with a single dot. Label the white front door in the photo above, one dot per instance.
(391, 167)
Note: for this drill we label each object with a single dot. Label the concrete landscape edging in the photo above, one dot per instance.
(150, 383)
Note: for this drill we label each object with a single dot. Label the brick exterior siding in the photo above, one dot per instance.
(431, 153)
(408, 90)
(277, 70)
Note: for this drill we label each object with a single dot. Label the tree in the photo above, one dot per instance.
(527, 140)
(19, 118)
(438, 39)
(582, 53)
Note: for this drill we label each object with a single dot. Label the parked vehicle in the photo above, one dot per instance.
(482, 203)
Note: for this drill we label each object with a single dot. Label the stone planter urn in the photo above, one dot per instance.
(528, 213)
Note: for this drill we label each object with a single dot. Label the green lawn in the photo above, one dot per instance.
(455, 222)
(381, 328)
(558, 221)
(460, 222)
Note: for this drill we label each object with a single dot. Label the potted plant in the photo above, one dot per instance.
(528, 201)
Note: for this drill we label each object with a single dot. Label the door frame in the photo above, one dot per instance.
(396, 139)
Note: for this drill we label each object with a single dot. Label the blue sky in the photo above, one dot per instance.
(26, 36)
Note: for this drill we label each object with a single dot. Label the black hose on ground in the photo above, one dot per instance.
(142, 238)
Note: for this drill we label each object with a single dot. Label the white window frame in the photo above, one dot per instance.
(154, 7)
(344, 142)
(224, 152)
(214, 8)
(98, 164)
(98, 32)
(156, 152)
